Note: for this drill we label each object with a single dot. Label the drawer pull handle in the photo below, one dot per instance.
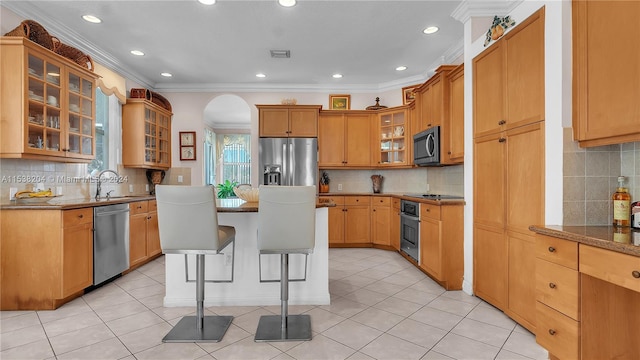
(552, 332)
(81, 216)
(552, 285)
(552, 249)
(502, 122)
(636, 274)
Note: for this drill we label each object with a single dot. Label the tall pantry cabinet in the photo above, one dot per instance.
(508, 96)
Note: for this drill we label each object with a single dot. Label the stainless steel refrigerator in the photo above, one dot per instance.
(289, 161)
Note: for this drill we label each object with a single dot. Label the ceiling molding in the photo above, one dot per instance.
(28, 10)
(471, 8)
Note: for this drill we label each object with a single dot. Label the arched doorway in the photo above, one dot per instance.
(227, 147)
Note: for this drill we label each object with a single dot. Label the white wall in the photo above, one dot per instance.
(188, 115)
(557, 108)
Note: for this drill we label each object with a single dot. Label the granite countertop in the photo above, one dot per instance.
(399, 196)
(598, 236)
(68, 204)
(223, 205)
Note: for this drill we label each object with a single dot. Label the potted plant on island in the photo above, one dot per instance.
(225, 189)
(324, 182)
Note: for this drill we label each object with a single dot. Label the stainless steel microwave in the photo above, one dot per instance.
(426, 147)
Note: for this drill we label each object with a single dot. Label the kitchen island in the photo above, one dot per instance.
(246, 288)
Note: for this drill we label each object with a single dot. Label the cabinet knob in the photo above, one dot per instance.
(552, 332)
(502, 122)
(428, 210)
(552, 249)
(502, 140)
(374, 210)
(81, 216)
(552, 285)
(636, 274)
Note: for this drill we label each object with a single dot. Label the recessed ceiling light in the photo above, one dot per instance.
(166, 74)
(261, 75)
(207, 2)
(337, 76)
(401, 68)
(137, 53)
(287, 3)
(430, 30)
(92, 19)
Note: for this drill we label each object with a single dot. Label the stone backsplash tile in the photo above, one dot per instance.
(574, 188)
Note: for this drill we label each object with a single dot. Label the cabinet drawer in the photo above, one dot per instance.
(557, 251)
(395, 202)
(338, 200)
(557, 287)
(557, 333)
(430, 211)
(357, 200)
(77, 216)
(616, 268)
(138, 207)
(381, 201)
(153, 206)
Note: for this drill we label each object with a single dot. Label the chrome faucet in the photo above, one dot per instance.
(99, 184)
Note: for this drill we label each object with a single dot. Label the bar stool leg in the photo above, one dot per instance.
(291, 327)
(199, 328)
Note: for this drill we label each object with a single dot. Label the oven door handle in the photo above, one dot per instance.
(410, 217)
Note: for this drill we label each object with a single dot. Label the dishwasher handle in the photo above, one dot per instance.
(113, 212)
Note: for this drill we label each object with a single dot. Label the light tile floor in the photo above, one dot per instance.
(382, 307)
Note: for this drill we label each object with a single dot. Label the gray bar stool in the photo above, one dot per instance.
(286, 225)
(188, 224)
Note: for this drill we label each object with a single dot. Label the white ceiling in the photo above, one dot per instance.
(223, 46)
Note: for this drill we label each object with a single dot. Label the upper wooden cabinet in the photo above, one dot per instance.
(453, 144)
(393, 137)
(344, 138)
(288, 120)
(606, 72)
(146, 135)
(433, 99)
(47, 104)
(508, 79)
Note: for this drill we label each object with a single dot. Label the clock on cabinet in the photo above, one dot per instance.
(187, 145)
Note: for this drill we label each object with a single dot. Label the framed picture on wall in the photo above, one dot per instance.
(339, 102)
(408, 94)
(187, 145)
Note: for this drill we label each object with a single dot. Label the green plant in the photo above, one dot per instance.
(324, 179)
(225, 190)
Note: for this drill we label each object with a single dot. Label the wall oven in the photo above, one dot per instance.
(410, 229)
(426, 147)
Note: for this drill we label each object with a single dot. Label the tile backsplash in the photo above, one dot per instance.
(443, 180)
(72, 179)
(591, 177)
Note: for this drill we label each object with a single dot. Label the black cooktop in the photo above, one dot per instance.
(434, 196)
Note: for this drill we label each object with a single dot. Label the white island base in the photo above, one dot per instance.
(246, 288)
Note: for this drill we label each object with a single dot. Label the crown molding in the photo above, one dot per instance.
(28, 10)
(471, 8)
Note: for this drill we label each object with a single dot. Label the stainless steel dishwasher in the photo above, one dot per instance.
(110, 241)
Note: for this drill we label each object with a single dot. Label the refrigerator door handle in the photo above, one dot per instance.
(292, 170)
(285, 165)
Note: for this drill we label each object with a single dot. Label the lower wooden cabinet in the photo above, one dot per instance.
(381, 220)
(47, 265)
(77, 250)
(441, 243)
(357, 222)
(395, 224)
(144, 238)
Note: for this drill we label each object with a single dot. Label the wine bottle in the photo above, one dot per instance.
(621, 204)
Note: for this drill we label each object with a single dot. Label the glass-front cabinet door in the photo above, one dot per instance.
(392, 142)
(60, 117)
(164, 135)
(44, 115)
(81, 123)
